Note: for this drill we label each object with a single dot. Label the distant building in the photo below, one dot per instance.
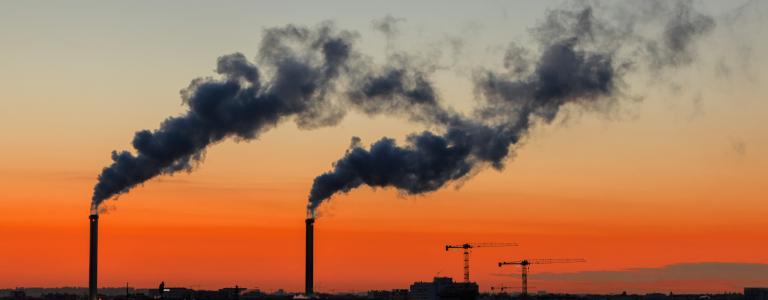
(397, 294)
(172, 293)
(231, 293)
(755, 293)
(18, 294)
(443, 288)
(253, 294)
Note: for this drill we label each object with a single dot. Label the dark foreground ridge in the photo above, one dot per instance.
(441, 288)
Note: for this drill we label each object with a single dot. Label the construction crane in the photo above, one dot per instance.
(468, 246)
(525, 263)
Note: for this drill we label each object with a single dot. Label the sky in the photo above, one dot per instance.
(668, 190)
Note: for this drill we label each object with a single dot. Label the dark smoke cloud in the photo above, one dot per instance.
(424, 166)
(563, 74)
(680, 32)
(299, 74)
(516, 60)
(428, 161)
(581, 62)
(236, 67)
(314, 76)
(399, 88)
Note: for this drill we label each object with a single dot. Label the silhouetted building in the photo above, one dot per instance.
(172, 293)
(755, 293)
(397, 294)
(443, 288)
(253, 294)
(18, 295)
(60, 296)
(231, 293)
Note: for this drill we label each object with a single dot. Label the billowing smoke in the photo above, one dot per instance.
(308, 75)
(582, 61)
(428, 161)
(314, 76)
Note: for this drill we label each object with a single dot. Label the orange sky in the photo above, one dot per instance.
(613, 204)
(679, 177)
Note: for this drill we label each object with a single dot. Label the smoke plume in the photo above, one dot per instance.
(314, 76)
(300, 76)
(581, 62)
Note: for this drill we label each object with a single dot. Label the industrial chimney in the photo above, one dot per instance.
(309, 272)
(92, 265)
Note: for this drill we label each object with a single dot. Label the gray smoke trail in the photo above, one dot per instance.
(582, 62)
(429, 161)
(299, 78)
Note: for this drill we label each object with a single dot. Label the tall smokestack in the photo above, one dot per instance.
(309, 272)
(92, 266)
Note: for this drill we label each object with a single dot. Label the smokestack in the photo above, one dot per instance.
(92, 266)
(309, 272)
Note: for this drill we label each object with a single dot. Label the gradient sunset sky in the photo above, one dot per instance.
(673, 182)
